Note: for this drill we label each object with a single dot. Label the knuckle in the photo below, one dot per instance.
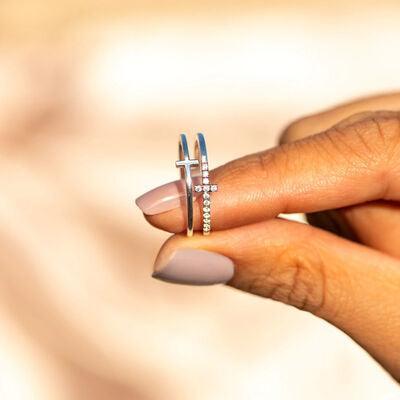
(374, 138)
(387, 133)
(300, 280)
(272, 161)
(302, 283)
(302, 276)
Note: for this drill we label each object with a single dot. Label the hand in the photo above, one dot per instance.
(346, 267)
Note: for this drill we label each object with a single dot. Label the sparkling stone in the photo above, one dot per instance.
(206, 188)
(206, 215)
(205, 174)
(206, 202)
(206, 196)
(206, 209)
(214, 188)
(204, 167)
(207, 221)
(206, 181)
(198, 188)
(206, 227)
(204, 159)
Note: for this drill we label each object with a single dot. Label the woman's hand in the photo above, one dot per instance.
(347, 179)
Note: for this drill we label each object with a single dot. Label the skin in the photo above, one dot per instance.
(342, 168)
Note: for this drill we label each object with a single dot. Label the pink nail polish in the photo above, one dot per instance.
(164, 198)
(195, 267)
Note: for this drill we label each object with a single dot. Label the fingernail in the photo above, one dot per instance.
(194, 267)
(163, 198)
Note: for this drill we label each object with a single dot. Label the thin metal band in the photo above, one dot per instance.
(185, 163)
(206, 187)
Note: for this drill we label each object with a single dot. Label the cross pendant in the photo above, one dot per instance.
(206, 185)
(186, 163)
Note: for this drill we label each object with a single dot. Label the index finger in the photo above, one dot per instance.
(332, 169)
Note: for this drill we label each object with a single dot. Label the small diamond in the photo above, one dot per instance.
(204, 167)
(206, 181)
(204, 159)
(206, 209)
(206, 227)
(206, 196)
(207, 202)
(206, 215)
(214, 188)
(205, 174)
(207, 221)
(206, 188)
(198, 188)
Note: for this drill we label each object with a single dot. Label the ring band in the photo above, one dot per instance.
(185, 163)
(206, 187)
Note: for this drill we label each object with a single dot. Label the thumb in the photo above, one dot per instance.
(352, 286)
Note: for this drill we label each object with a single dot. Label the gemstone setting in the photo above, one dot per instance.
(206, 187)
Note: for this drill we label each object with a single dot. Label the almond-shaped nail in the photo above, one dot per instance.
(194, 267)
(164, 198)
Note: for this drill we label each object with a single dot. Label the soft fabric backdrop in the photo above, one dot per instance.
(93, 96)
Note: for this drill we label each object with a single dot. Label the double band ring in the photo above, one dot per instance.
(205, 188)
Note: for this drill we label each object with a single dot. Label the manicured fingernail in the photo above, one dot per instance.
(163, 198)
(194, 267)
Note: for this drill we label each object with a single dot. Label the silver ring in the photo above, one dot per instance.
(185, 163)
(206, 187)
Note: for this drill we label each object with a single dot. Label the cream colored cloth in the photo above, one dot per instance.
(92, 99)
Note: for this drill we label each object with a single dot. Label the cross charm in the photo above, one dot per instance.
(206, 185)
(186, 163)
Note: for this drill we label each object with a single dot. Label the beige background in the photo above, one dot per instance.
(93, 96)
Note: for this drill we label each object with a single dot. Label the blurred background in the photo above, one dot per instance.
(93, 95)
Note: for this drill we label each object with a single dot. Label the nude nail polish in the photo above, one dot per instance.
(194, 267)
(164, 198)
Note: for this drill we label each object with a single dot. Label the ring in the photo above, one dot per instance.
(206, 187)
(185, 163)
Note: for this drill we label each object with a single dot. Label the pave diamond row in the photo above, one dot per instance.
(206, 198)
(206, 188)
